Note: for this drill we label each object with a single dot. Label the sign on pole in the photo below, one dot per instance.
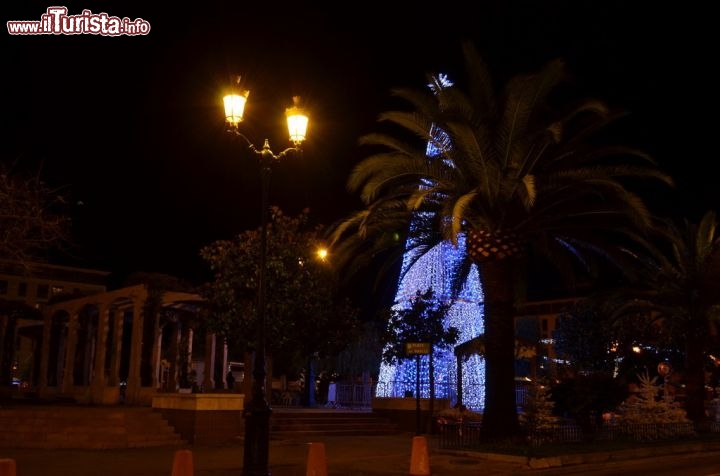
(417, 348)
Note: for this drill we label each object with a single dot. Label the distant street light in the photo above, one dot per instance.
(257, 410)
(322, 253)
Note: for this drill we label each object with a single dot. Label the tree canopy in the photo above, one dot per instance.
(307, 313)
(421, 321)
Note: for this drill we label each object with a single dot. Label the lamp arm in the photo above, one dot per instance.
(250, 145)
(288, 151)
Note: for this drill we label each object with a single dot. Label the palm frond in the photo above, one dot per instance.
(479, 81)
(529, 191)
(525, 95)
(706, 240)
(415, 123)
(459, 212)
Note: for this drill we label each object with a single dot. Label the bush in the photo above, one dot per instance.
(586, 397)
(458, 414)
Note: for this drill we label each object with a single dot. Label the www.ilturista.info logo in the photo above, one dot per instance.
(57, 22)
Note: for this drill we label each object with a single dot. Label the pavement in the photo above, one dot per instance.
(390, 455)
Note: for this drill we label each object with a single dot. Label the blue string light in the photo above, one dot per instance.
(433, 270)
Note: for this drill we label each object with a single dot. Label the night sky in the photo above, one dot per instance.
(132, 127)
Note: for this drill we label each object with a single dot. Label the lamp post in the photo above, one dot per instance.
(257, 410)
(665, 369)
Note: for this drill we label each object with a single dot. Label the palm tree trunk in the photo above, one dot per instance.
(500, 417)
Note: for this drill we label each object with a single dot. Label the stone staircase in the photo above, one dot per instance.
(309, 423)
(74, 426)
(82, 427)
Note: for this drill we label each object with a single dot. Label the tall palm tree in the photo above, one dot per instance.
(680, 286)
(511, 172)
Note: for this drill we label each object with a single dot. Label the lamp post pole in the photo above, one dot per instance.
(257, 410)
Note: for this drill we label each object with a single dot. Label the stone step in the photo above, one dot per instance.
(314, 432)
(76, 427)
(308, 424)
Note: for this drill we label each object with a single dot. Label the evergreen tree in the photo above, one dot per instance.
(538, 417)
(647, 407)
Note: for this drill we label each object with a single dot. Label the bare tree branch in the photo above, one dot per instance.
(32, 218)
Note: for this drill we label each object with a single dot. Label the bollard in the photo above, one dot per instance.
(419, 460)
(316, 464)
(7, 467)
(183, 463)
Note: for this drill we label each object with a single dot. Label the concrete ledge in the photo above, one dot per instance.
(403, 411)
(409, 404)
(199, 401)
(203, 417)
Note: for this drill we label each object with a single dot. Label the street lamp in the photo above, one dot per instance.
(257, 410)
(322, 253)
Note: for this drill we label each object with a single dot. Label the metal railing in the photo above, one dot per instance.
(645, 431)
(469, 435)
(456, 435)
(407, 388)
(403, 388)
(351, 395)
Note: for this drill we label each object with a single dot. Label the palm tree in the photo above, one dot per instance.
(679, 287)
(514, 175)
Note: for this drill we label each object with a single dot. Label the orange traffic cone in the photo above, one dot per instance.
(183, 463)
(7, 467)
(316, 464)
(419, 460)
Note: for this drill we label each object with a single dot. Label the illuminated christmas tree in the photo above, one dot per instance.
(433, 270)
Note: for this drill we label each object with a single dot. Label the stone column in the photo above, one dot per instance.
(118, 321)
(99, 379)
(210, 359)
(190, 335)
(157, 350)
(70, 348)
(225, 365)
(157, 353)
(133, 383)
(45, 355)
(175, 349)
